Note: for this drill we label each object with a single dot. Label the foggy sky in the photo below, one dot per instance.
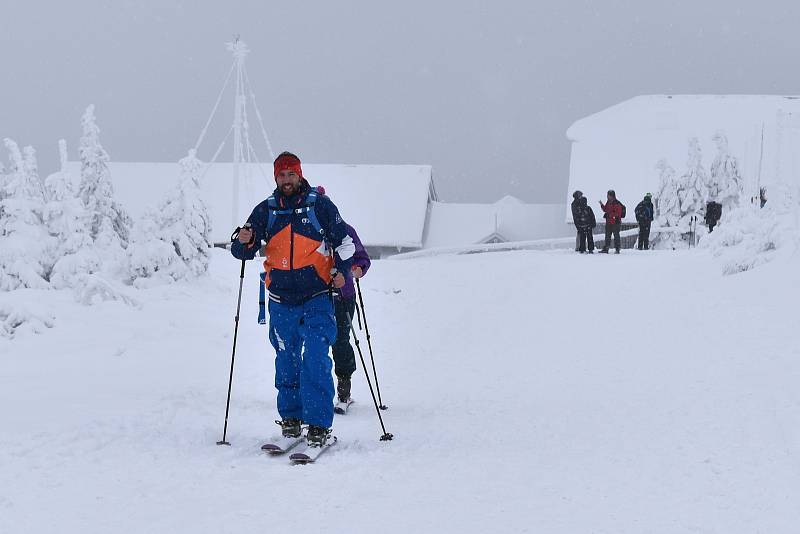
(483, 91)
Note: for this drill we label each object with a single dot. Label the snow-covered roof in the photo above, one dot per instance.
(508, 219)
(387, 204)
(618, 148)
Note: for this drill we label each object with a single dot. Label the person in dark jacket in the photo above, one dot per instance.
(577, 196)
(613, 212)
(299, 274)
(344, 358)
(585, 222)
(713, 214)
(644, 216)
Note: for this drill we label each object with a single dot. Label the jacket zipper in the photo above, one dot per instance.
(291, 243)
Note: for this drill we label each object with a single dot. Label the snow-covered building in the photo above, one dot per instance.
(619, 148)
(507, 220)
(388, 204)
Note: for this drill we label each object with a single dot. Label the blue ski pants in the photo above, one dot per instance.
(302, 335)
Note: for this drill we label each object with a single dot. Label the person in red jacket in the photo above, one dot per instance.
(614, 212)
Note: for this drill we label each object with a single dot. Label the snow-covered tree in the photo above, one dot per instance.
(31, 169)
(725, 185)
(26, 255)
(172, 241)
(751, 237)
(668, 211)
(109, 224)
(66, 220)
(692, 184)
(192, 228)
(3, 180)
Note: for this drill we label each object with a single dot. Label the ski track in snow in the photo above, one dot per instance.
(527, 391)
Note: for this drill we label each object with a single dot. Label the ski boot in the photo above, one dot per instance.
(317, 436)
(343, 388)
(290, 428)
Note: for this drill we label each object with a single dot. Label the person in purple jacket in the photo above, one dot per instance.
(344, 358)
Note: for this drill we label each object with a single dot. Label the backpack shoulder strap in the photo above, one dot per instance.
(273, 212)
(311, 202)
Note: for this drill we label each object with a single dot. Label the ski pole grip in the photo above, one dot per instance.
(247, 226)
(235, 234)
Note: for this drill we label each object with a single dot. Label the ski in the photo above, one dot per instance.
(342, 406)
(310, 455)
(282, 445)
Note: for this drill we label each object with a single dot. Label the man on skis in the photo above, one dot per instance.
(300, 227)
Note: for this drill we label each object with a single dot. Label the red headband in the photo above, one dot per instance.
(287, 162)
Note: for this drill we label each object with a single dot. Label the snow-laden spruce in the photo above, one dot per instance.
(26, 256)
(109, 224)
(669, 208)
(68, 223)
(680, 199)
(172, 242)
(692, 185)
(725, 185)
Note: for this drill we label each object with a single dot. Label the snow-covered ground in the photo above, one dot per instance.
(529, 391)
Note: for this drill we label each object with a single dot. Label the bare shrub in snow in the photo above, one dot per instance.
(17, 319)
(95, 288)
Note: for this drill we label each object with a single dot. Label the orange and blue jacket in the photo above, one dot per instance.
(305, 239)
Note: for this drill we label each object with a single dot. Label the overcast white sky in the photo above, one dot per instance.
(483, 91)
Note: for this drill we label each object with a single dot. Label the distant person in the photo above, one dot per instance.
(644, 216)
(613, 212)
(713, 214)
(762, 196)
(577, 195)
(585, 222)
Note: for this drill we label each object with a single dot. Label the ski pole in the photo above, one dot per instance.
(369, 344)
(358, 316)
(386, 435)
(235, 235)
